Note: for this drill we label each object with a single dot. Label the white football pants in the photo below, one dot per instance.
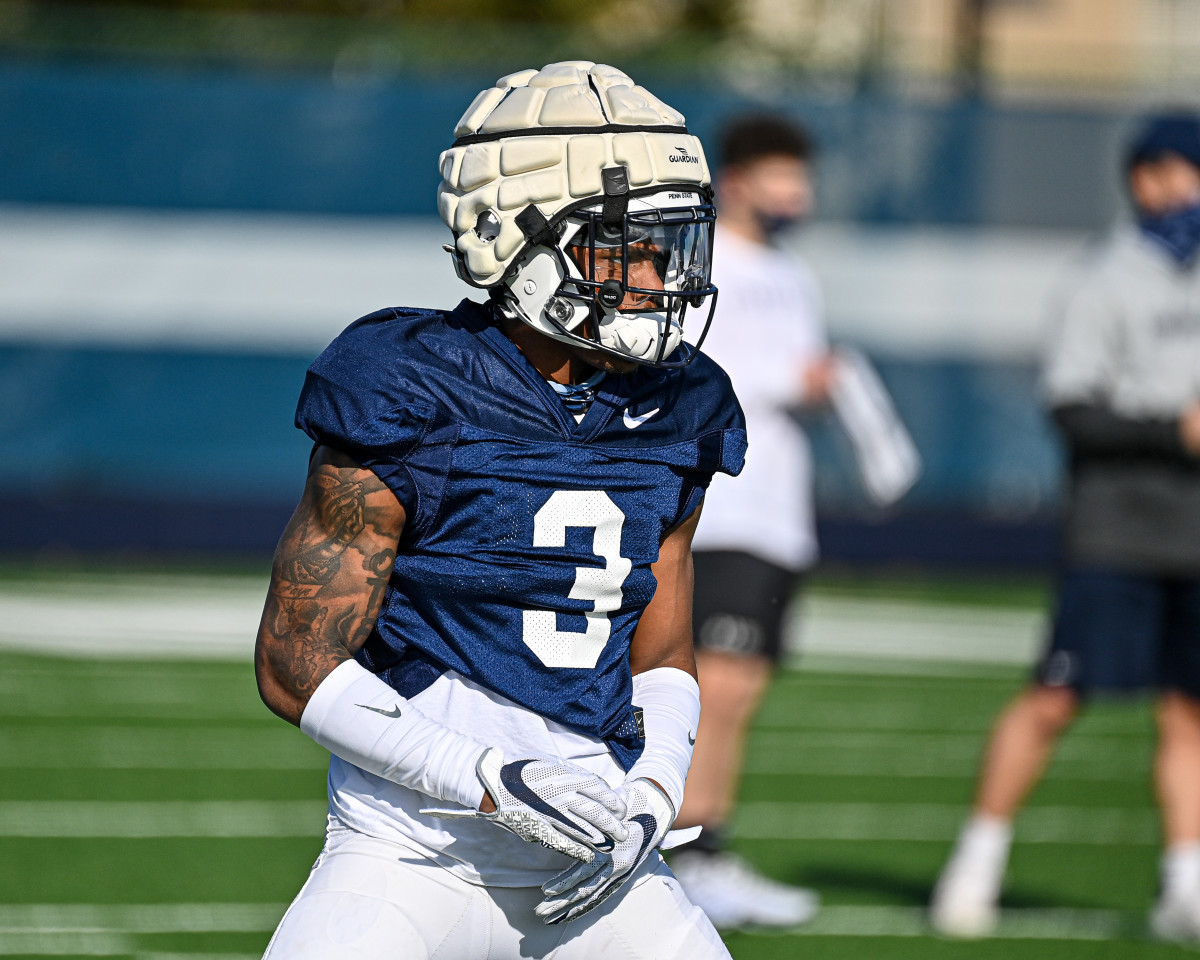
(369, 899)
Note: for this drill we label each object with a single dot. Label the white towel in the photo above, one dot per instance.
(887, 459)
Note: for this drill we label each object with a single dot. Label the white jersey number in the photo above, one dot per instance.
(579, 508)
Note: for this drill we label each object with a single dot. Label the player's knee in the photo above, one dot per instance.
(732, 684)
(1053, 708)
(345, 926)
(1178, 714)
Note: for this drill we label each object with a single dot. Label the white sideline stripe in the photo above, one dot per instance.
(102, 930)
(894, 629)
(939, 823)
(216, 617)
(171, 818)
(284, 280)
(261, 281)
(131, 623)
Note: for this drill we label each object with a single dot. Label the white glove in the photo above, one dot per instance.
(585, 886)
(548, 801)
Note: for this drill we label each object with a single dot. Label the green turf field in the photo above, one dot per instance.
(152, 808)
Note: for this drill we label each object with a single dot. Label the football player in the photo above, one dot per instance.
(482, 604)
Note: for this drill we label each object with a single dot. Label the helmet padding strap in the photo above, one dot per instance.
(616, 195)
(535, 226)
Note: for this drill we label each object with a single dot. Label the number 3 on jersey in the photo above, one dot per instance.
(579, 508)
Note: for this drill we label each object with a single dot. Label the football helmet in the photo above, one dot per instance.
(582, 204)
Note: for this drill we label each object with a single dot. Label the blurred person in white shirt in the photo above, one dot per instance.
(756, 539)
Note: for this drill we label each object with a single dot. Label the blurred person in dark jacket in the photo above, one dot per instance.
(1122, 380)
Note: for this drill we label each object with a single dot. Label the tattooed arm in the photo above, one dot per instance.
(331, 569)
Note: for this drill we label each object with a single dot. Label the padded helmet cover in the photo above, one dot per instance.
(542, 137)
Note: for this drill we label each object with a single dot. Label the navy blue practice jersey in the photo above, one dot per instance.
(525, 560)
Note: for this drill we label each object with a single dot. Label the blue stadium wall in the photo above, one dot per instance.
(118, 451)
(107, 449)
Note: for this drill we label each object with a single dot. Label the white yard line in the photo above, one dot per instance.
(194, 747)
(197, 956)
(74, 943)
(141, 918)
(1051, 924)
(772, 753)
(103, 930)
(169, 818)
(920, 755)
(918, 822)
(939, 823)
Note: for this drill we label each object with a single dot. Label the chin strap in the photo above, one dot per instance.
(578, 396)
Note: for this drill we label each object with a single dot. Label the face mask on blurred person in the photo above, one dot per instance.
(1177, 231)
(774, 225)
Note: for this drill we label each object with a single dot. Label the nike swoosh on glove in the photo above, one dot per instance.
(585, 886)
(548, 801)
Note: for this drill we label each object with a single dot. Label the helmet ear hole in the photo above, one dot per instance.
(487, 226)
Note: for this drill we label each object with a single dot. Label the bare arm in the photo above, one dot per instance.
(664, 634)
(330, 572)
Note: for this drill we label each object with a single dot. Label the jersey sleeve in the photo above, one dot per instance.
(720, 442)
(377, 420)
(1085, 344)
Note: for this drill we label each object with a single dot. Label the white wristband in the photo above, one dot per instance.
(670, 703)
(358, 717)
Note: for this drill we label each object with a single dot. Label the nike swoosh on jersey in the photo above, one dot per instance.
(634, 422)
(692, 739)
(393, 714)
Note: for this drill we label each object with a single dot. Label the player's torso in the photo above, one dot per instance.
(526, 560)
(1157, 361)
(532, 574)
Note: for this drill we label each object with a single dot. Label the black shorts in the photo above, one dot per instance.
(739, 603)
(1120, 632)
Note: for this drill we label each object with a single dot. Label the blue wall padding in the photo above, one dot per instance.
(150, 424)
(207, 425)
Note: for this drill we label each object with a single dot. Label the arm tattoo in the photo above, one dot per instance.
(331, 572)
(322, 539)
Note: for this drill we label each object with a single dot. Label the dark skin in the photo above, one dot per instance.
(335, 557)
(570, 363)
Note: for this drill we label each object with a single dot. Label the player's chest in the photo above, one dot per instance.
(507, 497)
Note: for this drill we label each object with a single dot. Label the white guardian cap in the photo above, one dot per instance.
(582, 204)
